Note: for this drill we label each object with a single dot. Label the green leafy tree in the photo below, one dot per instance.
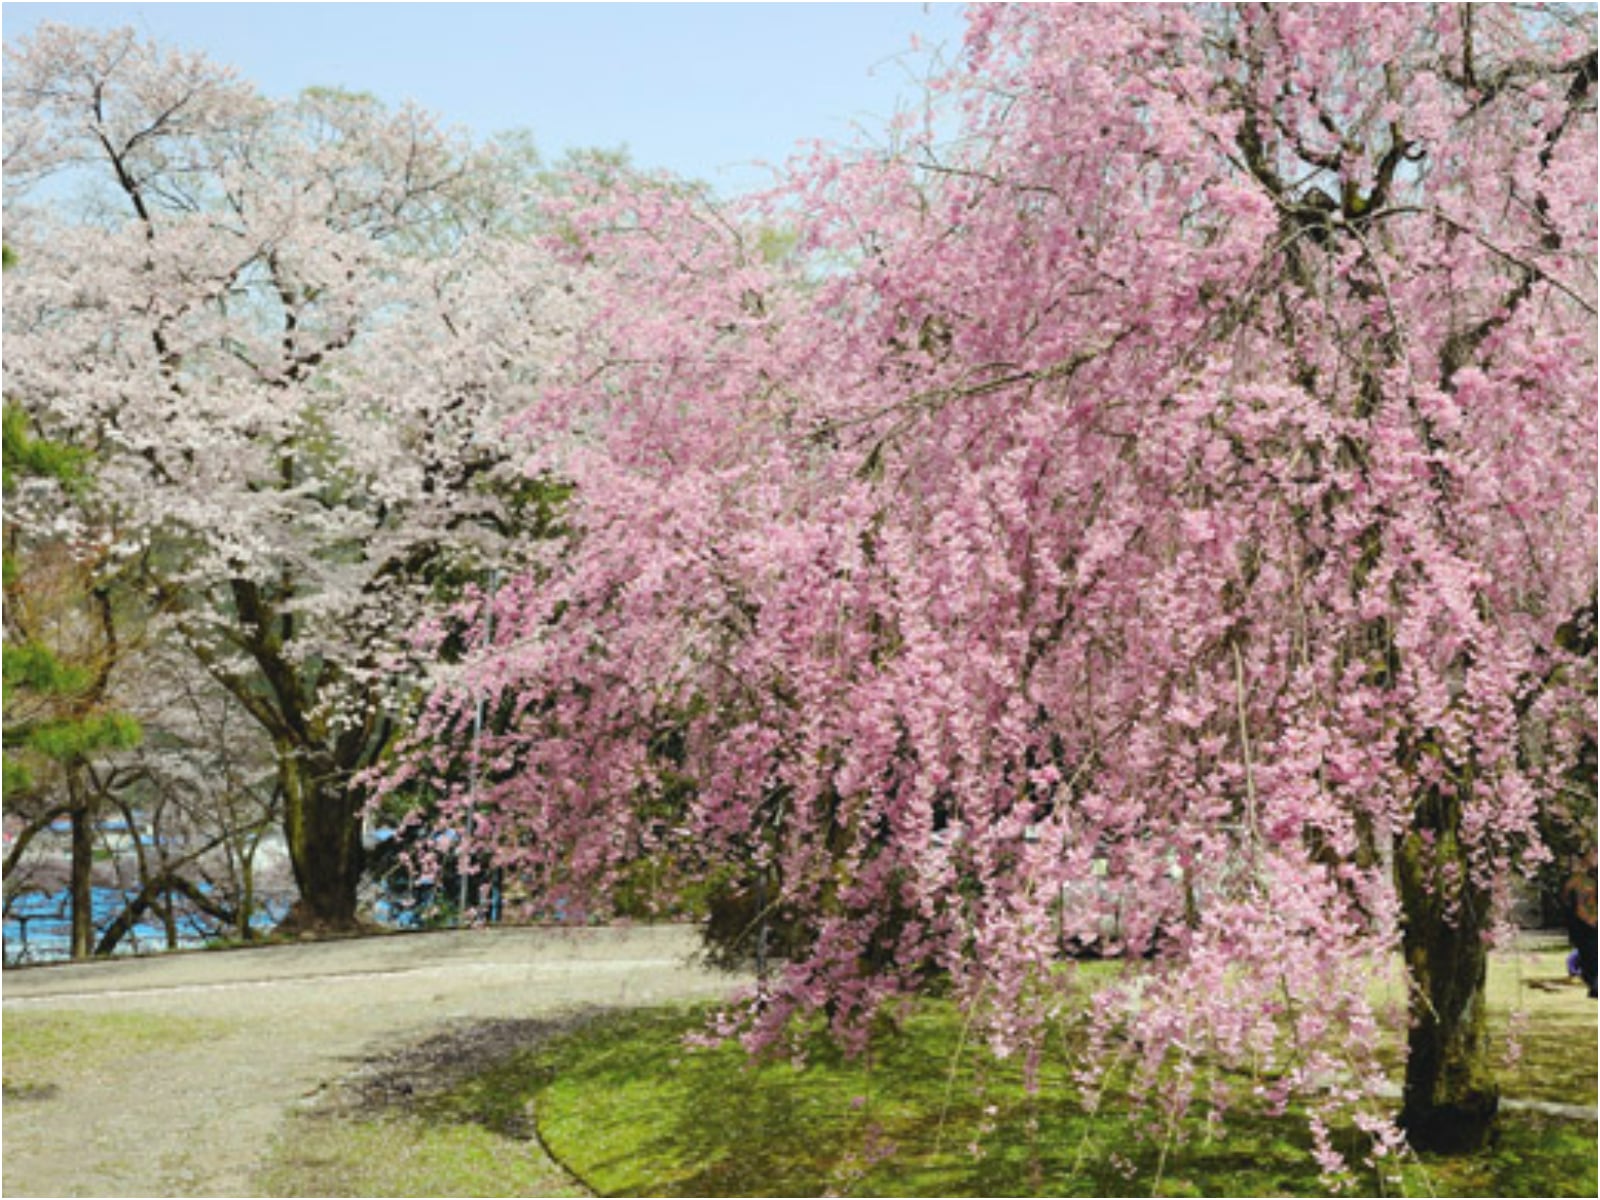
(61, 644)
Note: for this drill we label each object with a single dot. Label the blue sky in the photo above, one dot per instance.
(702, 89)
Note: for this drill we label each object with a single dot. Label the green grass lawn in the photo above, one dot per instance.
(630, 1110)
(624, 1105)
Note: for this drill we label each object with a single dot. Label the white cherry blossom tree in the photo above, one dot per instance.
(289, 333)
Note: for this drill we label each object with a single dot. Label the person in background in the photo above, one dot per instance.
(1578, 894)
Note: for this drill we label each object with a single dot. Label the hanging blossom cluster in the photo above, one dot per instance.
(1161, 498)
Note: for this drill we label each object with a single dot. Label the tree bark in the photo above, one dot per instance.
(247, 892)
(82, 884)
(321, 810)
(1451, 1098)
(322, 824)
(153, 895)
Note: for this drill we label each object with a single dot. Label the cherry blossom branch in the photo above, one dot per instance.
(1532, 270)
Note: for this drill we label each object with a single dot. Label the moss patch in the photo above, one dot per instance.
(633, 1111)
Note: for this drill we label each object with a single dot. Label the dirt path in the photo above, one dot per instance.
(196, 1118)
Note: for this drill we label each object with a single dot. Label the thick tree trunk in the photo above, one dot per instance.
(322, 824)
(321, 810)
(1451, 1098)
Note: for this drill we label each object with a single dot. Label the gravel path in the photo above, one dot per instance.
(282, 1021)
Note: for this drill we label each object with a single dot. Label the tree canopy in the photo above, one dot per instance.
(1176, 478)
(1147, 508)
(289, 334)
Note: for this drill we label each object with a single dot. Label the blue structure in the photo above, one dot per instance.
(38, 927)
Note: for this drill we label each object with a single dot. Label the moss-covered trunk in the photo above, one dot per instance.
(1451, 1098)
(322, 825)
